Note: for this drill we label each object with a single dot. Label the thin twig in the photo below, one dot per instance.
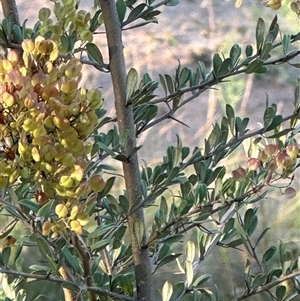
(60, 280)
(268, 286)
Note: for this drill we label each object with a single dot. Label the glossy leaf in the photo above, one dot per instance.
(269, 254)
(178, 291)
(121, 9)
(94, 53)
(131, 83)
(265, 52)
(250, 221)
(135, 13)
(254, 66)
(30, 205)
(201, 279)
(169, 258)
(249, 50)
(280, 292)
(170, 83)
(217, 61)
(269, 115)
(258, 280)
(261, 236)
(6, 252)
(260, 31)
(231, 118)
(235, 53)
(109, 184)
(286, 40)
(100, 245)
(172, 2)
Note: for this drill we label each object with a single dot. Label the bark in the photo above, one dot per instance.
(125, 118)
(10, 6)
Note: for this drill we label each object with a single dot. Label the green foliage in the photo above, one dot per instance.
(84, 231)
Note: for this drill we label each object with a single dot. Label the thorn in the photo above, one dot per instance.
(171, 117)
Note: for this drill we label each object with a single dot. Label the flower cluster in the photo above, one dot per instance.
(69, 19)
(45, 118)
(273, 160)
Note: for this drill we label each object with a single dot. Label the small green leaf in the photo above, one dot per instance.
(280, 292)
(225, 67)
(280, 134)
(260, 31)
(231, 118)
(172, 2)
(250, 221)
(275, 123)
(164, 206)
(163, 252)
(163, 83)
(173, 173)
(38, 267)
(235, 53)
(286, 40)
(131, 83)
(217, 61)
(201, 279)
(100, 245)
(265, 52)
(6, 255)
(135, 13)
(269, 254)
(94, 53)
(121, 10)
(45, 210)
(254, 66)
(178, 291)
(258, 280)
(17, 34)
(107, 188)
(172, 239)
(30, 205)
(170, 83)
(184, 76)
(261, 236)
(249, 50)
(167, 259)
(269, 115)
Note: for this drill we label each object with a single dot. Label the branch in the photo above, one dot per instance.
(62, 281)
(9, 6)
(268, 286)
(86, 265)
(142, 264)
(201, 208)
(207, 85)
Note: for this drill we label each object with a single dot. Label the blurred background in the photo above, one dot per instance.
(194, 30)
